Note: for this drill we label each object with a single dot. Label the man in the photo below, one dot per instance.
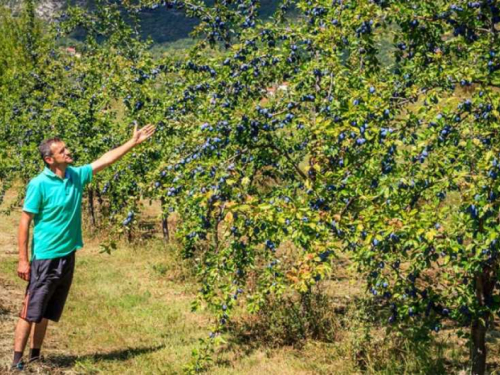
(53, 200)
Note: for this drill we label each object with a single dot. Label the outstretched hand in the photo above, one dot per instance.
(143, 134)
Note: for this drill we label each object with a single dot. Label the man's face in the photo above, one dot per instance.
(61, 155)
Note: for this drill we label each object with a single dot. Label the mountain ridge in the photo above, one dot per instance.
(162, 25)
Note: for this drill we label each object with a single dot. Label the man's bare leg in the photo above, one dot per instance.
(23, 329)
(37, 337)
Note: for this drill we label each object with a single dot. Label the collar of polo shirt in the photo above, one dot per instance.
(49, 173)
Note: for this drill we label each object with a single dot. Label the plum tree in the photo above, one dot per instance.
(396, 162)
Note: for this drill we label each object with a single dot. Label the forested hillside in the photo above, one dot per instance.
(163, 24)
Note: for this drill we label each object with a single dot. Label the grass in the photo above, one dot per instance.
(128, 315)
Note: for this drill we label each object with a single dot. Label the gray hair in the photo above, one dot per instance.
(45, 148)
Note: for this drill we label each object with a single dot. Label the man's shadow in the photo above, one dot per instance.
(67, 361)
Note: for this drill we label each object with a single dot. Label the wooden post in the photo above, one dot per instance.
(164, 221)
(91, 207)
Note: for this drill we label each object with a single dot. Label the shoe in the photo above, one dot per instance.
(18, 367)
(36, 359)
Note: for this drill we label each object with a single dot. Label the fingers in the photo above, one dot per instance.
(148, 129)
(24, 275)
(144, 133)
(23, 270)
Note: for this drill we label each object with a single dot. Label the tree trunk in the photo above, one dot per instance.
(484, 285)
(478, 347)
(91, 207)
(164, 228)
(99, 197)
(164, 221)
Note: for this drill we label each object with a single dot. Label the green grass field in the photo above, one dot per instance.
(129, 313)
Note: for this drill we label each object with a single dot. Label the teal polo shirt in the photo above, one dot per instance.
(56, 205)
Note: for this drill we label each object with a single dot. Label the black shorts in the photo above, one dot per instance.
(48, 288)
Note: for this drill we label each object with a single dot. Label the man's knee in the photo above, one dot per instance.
(22, 322)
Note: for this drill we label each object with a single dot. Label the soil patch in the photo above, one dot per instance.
(10, 298)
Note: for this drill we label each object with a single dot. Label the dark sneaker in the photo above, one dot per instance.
(36, 359)
(18, 367)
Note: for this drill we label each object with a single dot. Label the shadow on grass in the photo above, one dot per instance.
(67, 361)
(4, 311)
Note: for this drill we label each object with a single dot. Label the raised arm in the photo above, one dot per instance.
(23, 268)
(112, 156)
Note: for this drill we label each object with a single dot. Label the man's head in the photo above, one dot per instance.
(55, 153)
